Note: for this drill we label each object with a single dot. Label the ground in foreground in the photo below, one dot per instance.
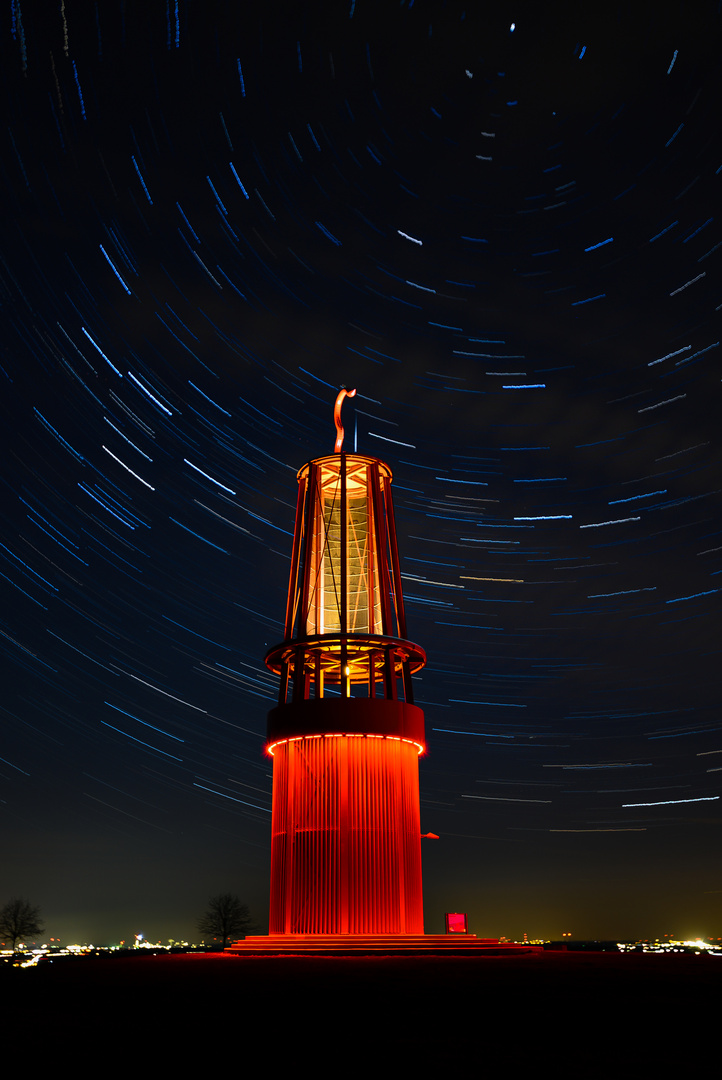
(586, 1013)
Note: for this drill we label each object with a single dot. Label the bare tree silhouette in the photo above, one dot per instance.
(20, 920)
(226, 918)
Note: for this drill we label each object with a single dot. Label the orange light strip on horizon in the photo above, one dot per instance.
(344, 735)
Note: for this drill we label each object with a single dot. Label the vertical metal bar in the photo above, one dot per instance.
(372, 674)
(298, 535)
(371, 572)
(390, 674)
(317, 675)
(283, 687)
(344, 579)
(299, 658)
(393, 547)
(408, 685)
(344, 544)
(379, 525)
(311, 550)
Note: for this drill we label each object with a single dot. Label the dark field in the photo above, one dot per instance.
(580, 1014)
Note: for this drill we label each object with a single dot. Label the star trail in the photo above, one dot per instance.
(504, 234)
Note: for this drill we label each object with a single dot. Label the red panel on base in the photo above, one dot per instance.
(346, 847)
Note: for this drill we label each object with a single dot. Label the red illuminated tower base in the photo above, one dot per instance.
(346, 848)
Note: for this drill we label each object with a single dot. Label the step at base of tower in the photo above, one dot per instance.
(376, 944)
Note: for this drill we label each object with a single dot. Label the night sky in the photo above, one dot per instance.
(502, 226)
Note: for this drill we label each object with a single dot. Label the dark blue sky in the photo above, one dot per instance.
(509, 241)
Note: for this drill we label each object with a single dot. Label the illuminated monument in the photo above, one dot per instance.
(345, 736)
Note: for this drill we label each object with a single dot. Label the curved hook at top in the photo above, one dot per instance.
(337, 418)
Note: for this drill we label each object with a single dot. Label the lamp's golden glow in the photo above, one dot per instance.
(337, 519)
(345, 622)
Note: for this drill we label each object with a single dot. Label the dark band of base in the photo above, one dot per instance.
(358, 716)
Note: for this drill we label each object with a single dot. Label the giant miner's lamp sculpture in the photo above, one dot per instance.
(345, 736)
